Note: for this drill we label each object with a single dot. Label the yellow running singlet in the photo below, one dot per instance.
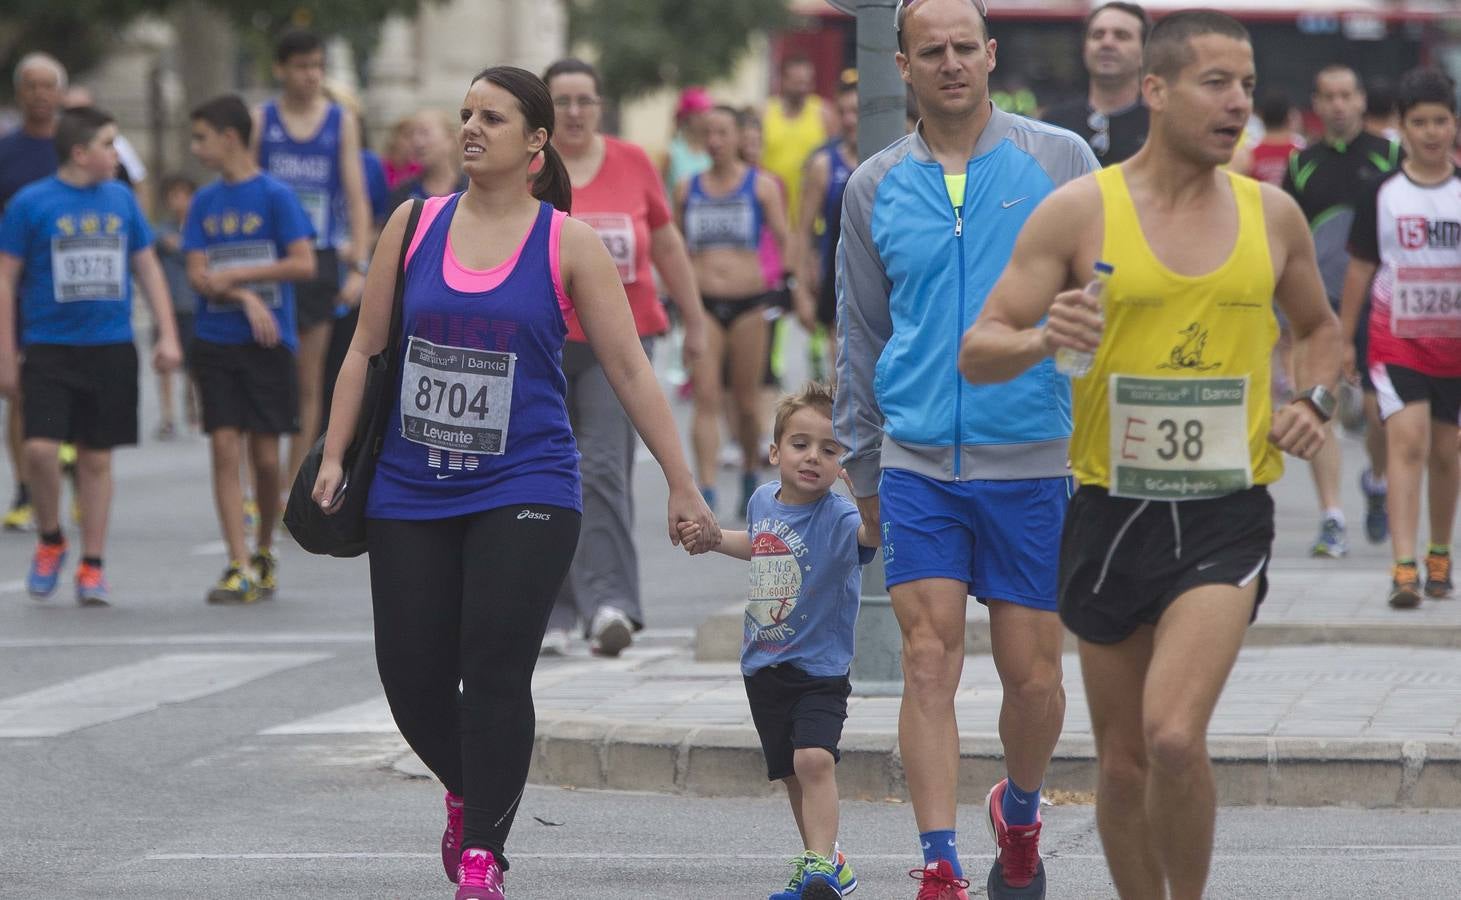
(1177, 405)
(787, 143)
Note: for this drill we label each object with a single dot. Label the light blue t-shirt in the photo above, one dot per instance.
(806, 575)
(250, 223)
(75, 245)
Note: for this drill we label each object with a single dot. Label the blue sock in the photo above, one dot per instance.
(939, 845)
(1020, 807)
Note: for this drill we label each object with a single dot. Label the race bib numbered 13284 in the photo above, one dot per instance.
(89, 267)
(1426, 302)
(1179, 438)
(457, 399)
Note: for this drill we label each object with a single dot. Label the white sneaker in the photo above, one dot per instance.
(555, 643)
(611, 632)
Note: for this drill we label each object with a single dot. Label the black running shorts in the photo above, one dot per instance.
(1124, 561)
(87, 395)
(315, 300)
(248, 387)
(794, 711)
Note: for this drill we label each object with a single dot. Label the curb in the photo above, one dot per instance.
(718, 639)
(718, 761)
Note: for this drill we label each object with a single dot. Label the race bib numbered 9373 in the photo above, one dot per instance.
(1179, 438)
(457, 399)
(1426, 302)
(89, 267)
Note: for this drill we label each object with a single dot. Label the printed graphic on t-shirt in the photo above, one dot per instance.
(616, 230)
(776, 584)
(456, 399)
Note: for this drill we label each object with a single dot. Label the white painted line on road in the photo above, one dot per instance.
(212, 548)
(12, 587)
(371, 717)
(183, 640)
(125, 691)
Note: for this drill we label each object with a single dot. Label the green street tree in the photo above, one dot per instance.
(642, 45)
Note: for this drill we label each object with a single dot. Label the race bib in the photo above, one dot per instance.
(616, 230)
(89, 267)
(713, 223)
(317, 209)
(241, 254)
(1427, 302)
(456, 399)
(1179, 438)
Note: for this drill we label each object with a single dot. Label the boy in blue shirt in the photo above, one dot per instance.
(246, 238)
(69, 246)
(806, 546)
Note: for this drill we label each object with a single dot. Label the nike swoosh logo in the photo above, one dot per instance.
(440, 477)
(1008, 203)
(1203, 567)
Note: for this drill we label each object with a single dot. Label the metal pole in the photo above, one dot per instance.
(877, 667)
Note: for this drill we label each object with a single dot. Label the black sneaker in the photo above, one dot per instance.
(1438, 576)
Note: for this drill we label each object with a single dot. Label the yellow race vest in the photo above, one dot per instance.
(787, 143)
(1177, 405)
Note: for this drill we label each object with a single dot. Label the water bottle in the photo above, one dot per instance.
(1076, 363)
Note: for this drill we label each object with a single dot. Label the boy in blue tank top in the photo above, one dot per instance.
(806, 546)
(246, 238)
(312, 145)
(69, 246)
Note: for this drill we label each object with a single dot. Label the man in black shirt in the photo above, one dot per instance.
(1111, 117)
(1327, 178)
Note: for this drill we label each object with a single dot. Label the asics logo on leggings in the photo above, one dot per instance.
(529, 514)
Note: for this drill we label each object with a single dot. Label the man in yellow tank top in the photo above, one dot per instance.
(797, 123)
(1166, 543)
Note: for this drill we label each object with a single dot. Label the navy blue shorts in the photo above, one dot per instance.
(1001, 538)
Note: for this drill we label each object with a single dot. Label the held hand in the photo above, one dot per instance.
(689, 534)
(1074, 323)
(261, 321)
(167, 356)
(1298, 430)
(217, 282)
(327, 493)
(352, 288)
(687, 505)
(694, 344)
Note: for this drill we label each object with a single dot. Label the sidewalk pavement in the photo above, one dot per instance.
(1335, 700)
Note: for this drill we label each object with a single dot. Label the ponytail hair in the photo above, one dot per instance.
(551, 184)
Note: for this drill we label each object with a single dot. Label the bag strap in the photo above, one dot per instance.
(393, 342)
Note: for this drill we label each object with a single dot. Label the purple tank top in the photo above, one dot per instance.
(479, 420)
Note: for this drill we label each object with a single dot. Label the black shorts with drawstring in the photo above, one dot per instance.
(1124, 561)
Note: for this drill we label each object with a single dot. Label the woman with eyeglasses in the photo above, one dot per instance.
(724, 211)
(617, 191)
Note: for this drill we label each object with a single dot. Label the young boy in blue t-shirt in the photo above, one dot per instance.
(246, 239)
(69, 246)
(806, 546)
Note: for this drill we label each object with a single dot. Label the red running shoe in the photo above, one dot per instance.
(939, 882)
(1017, 871)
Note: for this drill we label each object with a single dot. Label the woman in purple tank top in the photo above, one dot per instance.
(473, 516)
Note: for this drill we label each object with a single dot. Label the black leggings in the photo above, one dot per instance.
(466, 601)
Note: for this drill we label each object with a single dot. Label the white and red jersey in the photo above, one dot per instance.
(1413, 233)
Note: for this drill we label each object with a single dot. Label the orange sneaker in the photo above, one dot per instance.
(45, 569)
(91, 586)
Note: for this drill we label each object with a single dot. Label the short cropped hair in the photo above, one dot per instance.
(1380, 98)
(42, 60)
(296, 42)
(77, 128)
(1425, 85)
(813, 395)
(1339, 69)
(1274, 108)
(1131, 9)
(225, 112)
(1169, 49)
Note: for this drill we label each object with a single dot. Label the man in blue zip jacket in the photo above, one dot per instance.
(970, 484)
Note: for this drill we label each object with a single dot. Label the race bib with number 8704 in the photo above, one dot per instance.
(457, 399)
(1179, 438)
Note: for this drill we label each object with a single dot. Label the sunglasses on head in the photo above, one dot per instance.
(1100, 125)
(904, 5)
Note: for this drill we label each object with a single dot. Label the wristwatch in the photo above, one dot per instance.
(1320, 400)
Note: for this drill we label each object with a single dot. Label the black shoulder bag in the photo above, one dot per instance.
(342, 532)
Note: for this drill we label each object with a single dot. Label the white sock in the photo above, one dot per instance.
(1336, 514)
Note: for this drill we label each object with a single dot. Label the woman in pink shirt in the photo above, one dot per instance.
(617, 191)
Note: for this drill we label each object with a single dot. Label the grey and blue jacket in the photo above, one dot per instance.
(912, 275)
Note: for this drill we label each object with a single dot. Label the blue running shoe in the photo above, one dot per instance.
(45, 569)
(846, 880)
(814, 878)
(1332, 541)
(1377, 520)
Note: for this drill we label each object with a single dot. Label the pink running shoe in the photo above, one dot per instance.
(451, 838)
(479, 877)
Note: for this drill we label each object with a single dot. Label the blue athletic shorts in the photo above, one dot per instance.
(1002, 538)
